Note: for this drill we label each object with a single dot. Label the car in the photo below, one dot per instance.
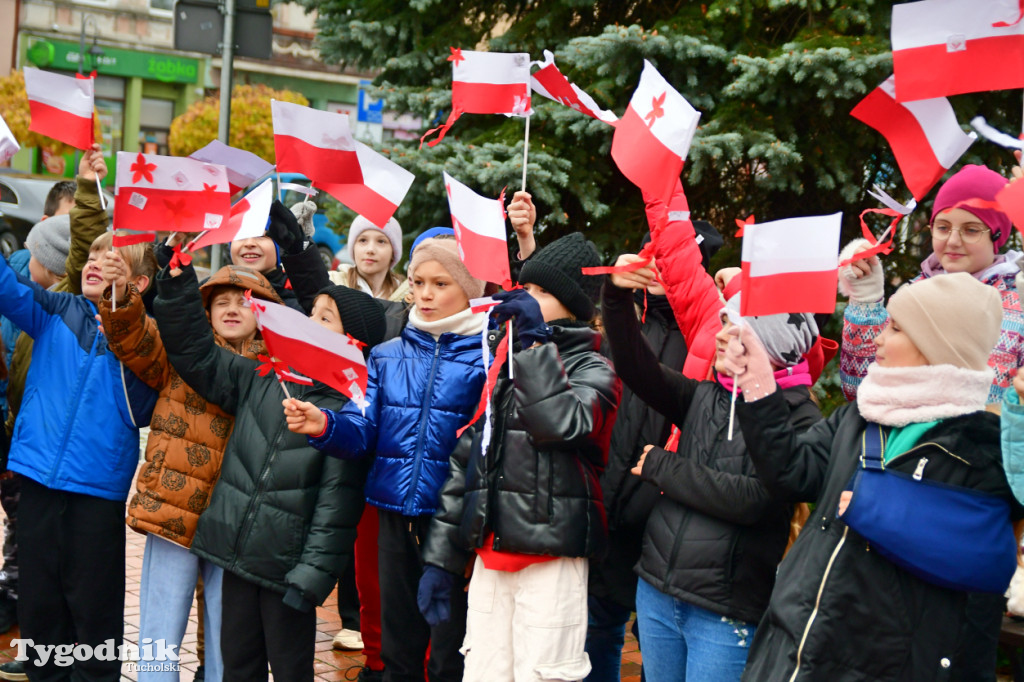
(332, 247)
(22, 197)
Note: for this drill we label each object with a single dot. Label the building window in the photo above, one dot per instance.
(162, 5)
(155, 116)
(110, 109)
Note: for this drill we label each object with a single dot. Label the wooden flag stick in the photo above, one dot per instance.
(113, 287)
(284, 388)
(526, 149)
(99, 190)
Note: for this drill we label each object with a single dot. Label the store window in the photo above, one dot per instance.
(163, 5)
(155, 116)
(110, 109)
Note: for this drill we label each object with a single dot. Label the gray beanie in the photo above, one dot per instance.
(49, 242)
(785, 336)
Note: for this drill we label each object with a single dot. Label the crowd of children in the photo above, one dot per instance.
(510, 493)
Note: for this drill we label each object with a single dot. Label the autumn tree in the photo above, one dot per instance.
(252, 128)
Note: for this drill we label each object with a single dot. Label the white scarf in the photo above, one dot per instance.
(464, 322)
(897, 396)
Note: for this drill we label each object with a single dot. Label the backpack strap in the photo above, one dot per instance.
(873, 442)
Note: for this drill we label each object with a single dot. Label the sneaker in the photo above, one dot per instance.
(348, 640)
(368, 675)
(14, 671)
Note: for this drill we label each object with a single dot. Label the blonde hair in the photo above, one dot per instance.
(139, 258)
(390, 286)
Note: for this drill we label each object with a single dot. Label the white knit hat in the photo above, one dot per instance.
(392, 230)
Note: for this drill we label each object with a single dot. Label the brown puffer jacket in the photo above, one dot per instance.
(187, 434)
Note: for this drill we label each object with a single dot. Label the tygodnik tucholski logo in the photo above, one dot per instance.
(151, 656)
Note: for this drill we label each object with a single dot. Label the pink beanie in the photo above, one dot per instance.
(974, 188)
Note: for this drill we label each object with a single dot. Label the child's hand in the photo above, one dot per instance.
(302, 417)
(724, 276)
(844, 501)
(638, 279)
(638, 469)
(114, 270)
(523, 216)
(92, 166)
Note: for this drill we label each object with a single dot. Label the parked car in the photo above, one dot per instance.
(329, 243)
(22, 197)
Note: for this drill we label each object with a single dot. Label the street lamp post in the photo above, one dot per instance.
(95, 50)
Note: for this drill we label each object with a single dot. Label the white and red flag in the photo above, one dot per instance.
(312, 350)
(479, 225)
(790, 266)
(486, 83)
(383, 188)
(157, 193)
(248, 218)
(652, 138)
(318, 144)
(924, 135)
(8, 144)
(244, 168)
(61, 106)
(549, 82)
(949, 47)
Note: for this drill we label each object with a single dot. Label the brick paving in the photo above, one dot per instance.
(330, 665)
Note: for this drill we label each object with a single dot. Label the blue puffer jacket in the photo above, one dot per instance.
(78, 427)
(420, 392)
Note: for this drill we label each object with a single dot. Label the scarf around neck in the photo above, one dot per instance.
(464, 322)
(897, 396)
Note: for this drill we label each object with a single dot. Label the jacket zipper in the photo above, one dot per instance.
(74, 412)
(923, 445)
(817, 603)
(417, 462)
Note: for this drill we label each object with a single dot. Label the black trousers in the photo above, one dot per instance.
(10, 492)
(348, 599)
(979, 638)
(404, 633)
(72, 580)
(258, 629)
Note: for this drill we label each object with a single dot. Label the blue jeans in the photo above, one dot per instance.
(606, 635)
(685, 643)
(169, 574)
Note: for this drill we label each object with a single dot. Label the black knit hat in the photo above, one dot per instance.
(362, 316)
(557, 267)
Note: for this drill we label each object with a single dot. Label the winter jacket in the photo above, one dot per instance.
(716, 534)
(862, 322)
(1012, 439)
(628, 499)
(187, 434)
(282, 514)
(841, 612)
(420, 392)
(308, 275)
(74, 378)
(88, 221)
(537, 487)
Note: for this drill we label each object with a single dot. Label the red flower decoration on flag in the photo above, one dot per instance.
(178, 211)
(270, 364)
(456, 55)
(141, 169)
(657, 111)
(743, 223)
(209, 190)
(355, 342)
(180, 258)
(251, 302)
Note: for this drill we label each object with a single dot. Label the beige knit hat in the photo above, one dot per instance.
(952, 319)
(446, 252)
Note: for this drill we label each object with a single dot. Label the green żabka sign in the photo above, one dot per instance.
(56, 54)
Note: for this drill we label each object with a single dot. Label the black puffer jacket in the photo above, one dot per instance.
(283, 514)
(715, 537)
(628, 499)
(841, 612)
(537, 487)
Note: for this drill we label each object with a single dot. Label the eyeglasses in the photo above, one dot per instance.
(969, 234)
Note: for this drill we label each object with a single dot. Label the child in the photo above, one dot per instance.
(374, 252)
(75, 469)
(840, 609)
(422, 387)
(183, 453)
(282, 517)
(530, 507)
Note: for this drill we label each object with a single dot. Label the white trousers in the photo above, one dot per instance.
(529, 625)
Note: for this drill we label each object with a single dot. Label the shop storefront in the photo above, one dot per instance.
(138, 93)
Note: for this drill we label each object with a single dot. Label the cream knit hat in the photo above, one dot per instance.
(952, 319)
(445, 250)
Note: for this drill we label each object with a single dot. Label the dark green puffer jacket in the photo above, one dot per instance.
(283, 514)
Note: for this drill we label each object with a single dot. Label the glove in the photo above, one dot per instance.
(530, 325)
(747, 361)
(857, 286)
(434, 596)
(285, 230)
(293, 598)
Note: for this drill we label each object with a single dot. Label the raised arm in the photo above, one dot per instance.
(134, 338)
(690, 289)
(350, 433)
(88, 219)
